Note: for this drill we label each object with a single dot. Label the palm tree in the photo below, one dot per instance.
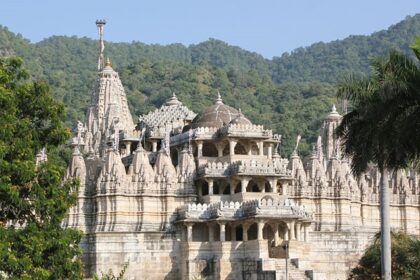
(384, 126)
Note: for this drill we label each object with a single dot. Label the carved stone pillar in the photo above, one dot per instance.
(220, 147)
(298, 229)
(245, 227)
(306, 229)
(128, 148)
(199, 148)
(276, 234)
(154, 146)
(232, 184)
(292, 235)
(260, 230)
(210, 182)
(244, 184)
(273, 185)
(232, 144)
(270, 151)
(189, 232)
(222, 231)
(261, 147)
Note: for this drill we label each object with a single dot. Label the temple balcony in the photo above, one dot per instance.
(238, 165)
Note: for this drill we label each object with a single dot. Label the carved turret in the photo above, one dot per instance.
(108, 105)
(142, 171)
(328, 133)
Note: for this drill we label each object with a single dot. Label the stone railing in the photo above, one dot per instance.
(265, 207)
(205, 132)
(214, 169)
(242, 167)
(273, 207)
(245, 130)
(253, 167)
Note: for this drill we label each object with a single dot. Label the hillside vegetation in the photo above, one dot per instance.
(290, 94)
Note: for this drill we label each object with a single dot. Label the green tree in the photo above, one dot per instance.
(33, 199)
(383, 126)
(405, 259)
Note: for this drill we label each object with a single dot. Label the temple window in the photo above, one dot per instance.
(253, 187)
(200, 232)
(253, 232)
(239, 233)
(205, 188)
(209, 150)
(240, 149)
(254, 149)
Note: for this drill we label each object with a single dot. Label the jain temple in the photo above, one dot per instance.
(183, 194)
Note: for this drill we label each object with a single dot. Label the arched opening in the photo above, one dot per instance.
(283, 231)
(174, 157)
(216, 232)
(252, 186)
(216, 187)
(240, 149)
(228, 232)
(209, 150)
(200, 232)
(236, 187)
(205, 188)
(268, 233)
(226, 189)
(253, 232)
(239, 233)
(254, 149)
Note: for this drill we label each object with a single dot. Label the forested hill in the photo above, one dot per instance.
(290, 93)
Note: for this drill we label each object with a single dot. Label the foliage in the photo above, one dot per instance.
(383, 126)
(290, 94)
(405, 259)
(33, 200)
(110, 275)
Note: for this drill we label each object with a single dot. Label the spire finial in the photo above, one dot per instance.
(173, 100)
(219, 98)
(297, 145)
(333, 109)
(108, 62)
(100, 24)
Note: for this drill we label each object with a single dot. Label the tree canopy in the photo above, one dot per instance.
(405, 259)
(33, 198)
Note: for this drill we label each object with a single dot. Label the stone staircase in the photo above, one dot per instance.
(295, 273)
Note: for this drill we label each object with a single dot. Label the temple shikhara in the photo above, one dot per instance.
(182, 194)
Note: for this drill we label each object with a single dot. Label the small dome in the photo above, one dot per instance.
(173, 100)
(333, 115)
(240, 119)
(218, 115)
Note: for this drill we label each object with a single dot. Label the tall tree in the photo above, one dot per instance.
(33, 198)
(383, 126)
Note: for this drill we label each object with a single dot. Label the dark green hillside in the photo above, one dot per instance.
(290, 93)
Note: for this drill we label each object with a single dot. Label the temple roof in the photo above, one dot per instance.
(218, 115)
(172, 110)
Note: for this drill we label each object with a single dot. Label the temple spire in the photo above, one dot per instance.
(100, 24)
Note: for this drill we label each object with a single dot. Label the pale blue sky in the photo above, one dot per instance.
(267, 27)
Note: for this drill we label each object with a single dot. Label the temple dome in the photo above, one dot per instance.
(217, 115)
(240, 119)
